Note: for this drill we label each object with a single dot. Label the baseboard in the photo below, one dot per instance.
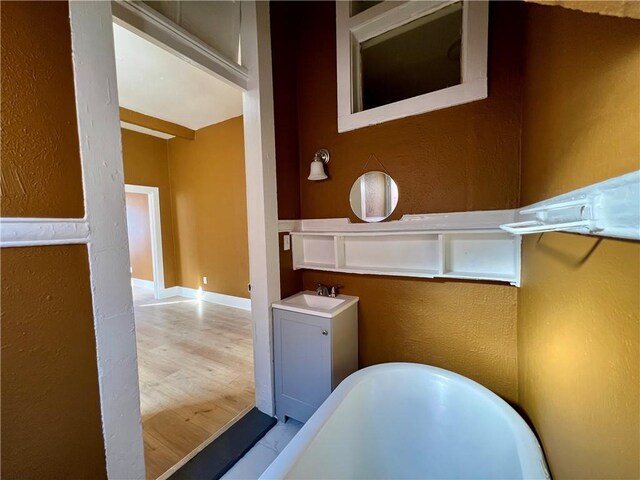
(138, 282)
(169, 292)
(218, 298)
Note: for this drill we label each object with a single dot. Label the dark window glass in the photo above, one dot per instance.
(417, 58)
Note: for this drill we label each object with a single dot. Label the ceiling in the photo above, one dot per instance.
(159, 84)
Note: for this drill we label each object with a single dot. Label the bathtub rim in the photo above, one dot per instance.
(530, 454)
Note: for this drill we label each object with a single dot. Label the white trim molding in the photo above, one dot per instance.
(170, 292)
(453, 221)
(217, 298)
(157, 258)
(96, 95)
(386, 16)
(608, 209)
(285, 226)
(161, 31)
(140, 283)
(262, 207)
(31, 232)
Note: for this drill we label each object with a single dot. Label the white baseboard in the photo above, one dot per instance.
(211, 297)
(170, 292)
(219, 298)
(138, 282)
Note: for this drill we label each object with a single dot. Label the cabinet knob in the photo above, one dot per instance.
(324, 332)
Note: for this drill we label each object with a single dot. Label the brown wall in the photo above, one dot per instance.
(202, 203)
(146, 163)
(51, 424)
(578, 308)
(50, 409)
(210, 209)
(139, 232)
(462, 158)
(284, 34)
(40, 172)
(456, 159)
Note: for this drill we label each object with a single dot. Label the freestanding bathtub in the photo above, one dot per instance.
(409, 421)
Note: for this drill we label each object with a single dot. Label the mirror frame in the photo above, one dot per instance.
(360, 179)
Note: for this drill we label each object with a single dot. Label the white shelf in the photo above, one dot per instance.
(608, 209)
(421, 246)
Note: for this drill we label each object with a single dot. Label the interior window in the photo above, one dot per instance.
(419, 57)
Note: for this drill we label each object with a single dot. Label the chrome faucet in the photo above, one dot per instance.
(327, 291)
(322, 290)
(334, 290)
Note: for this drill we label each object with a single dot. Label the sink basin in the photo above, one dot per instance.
(314, 301)
(313, 304)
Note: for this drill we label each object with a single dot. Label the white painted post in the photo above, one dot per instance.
(262, 208)
(103, 178)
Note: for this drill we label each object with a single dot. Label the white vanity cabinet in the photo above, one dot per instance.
(316, 347)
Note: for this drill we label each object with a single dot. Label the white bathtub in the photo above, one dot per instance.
(408, 421)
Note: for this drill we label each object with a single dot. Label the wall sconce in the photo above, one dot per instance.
(317, 167)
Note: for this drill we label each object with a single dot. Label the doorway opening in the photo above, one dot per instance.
(184, 170)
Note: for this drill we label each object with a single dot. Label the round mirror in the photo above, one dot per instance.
(374, 196)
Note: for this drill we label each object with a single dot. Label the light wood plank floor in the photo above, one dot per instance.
(195, 361)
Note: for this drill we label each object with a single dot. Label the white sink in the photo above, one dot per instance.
(314, 301)
(313, 304)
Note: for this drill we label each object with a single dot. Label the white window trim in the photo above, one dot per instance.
(388, 15)
(153, 196)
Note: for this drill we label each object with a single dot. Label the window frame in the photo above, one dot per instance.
(351, 31)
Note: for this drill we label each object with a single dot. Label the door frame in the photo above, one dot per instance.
(105, 216)
(155, 224)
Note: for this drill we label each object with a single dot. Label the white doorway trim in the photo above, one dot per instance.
(103, 180)
(104, 195)
(153, 195)
(262, 201)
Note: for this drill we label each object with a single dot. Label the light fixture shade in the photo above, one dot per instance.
(317, 171)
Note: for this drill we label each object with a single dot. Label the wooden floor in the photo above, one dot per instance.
(195, 362)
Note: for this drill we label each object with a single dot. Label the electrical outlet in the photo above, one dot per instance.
(205, 280)
(287, 242)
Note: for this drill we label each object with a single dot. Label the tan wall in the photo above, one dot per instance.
(139, 232)
(578, 308)
(40, 172)
(210, 213)
(51, 424)
(50, 409)
(462, 158)
(146, 163)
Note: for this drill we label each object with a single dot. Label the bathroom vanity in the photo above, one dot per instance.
(316, 347)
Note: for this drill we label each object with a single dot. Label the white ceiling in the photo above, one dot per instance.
(157, 83)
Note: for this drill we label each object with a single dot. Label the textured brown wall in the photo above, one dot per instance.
(51, 424)
(456, 159)
(40, 171)
(469, 329)
(284, 32)
(146, 163)
(462, 158)
(578, 319)
(139, 233)
(50, 409)
(210, 208)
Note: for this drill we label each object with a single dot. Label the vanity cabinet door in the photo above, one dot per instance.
(302, 363)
